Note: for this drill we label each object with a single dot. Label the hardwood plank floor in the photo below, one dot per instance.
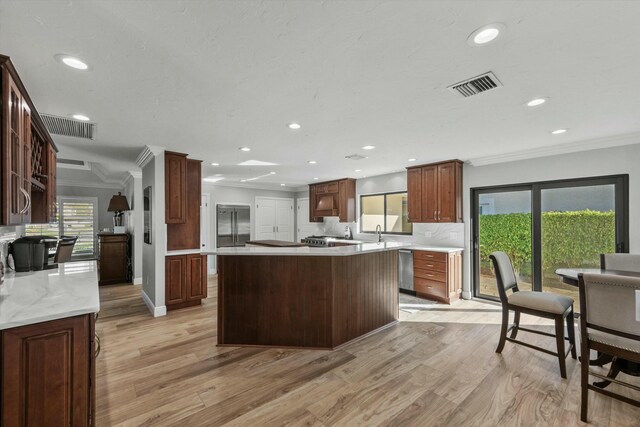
(437, 367)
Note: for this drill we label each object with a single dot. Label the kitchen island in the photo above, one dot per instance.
(306, 297)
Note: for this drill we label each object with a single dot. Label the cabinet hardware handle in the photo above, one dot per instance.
(435, 215)
(27, 201)
(429, 287)
(429, 256)
(430, 275)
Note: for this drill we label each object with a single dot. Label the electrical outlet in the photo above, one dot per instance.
(428, 234)
(453, 235)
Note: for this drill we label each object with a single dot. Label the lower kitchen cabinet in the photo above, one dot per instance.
(437, 275)
(113, 258)
(185, 280)
(48, 373)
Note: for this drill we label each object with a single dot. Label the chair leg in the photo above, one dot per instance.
(571, 331)
(560, 343)
(613, 373)
(584, 381)
(503, 330)
(516, 322)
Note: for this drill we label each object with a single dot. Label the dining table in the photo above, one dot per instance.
(570, 276)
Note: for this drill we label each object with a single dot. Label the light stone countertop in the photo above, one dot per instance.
(311, 251)
(184, 252)
(434, 248)
(39, 296)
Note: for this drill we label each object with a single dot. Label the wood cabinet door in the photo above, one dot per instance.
(347, 200)
(46, 371)
(175, 279)
(430, 194)
(414, 195)
(446, 206)
(175, 188)
(52, 183)
(13, 200)
(187, 235)
(312, 204)
(196, 280)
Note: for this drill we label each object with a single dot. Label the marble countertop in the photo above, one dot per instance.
(39, 296)
(356, 249)
(434, 248)
(184, 252)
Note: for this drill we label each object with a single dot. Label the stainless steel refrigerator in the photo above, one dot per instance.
(233, 225)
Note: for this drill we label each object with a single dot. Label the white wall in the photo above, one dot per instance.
(105, 219)
(134, 220)
(609, 161)
(153, 254)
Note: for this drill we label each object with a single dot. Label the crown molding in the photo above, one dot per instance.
(148, 153)
(572, 147)
(88, 184)
(129, 175)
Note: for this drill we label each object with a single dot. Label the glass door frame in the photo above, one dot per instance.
(621, 188)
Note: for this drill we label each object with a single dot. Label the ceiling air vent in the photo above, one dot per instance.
(72, 164)
(69, 127)
(476, 85)
(355, 157)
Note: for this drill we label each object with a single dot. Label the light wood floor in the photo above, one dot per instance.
(435, 368)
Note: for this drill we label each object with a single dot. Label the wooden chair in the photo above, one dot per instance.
(64, 249)
(608, 324)
(541, 304)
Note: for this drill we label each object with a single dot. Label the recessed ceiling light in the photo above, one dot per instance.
(81, 117)
(72, 62)
(559, 131)
(294, 126)
(412, 159)
(485, 34)
(315, 179)
(215, 164)
(243, 180)
(281, 185)
(218, 174)
(368, 147)
(272, 173)
(312, 162)
(213, 178)
(244, 149)
(357, 170)
(535, 102)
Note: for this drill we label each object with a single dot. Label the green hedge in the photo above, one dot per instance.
(569, 239)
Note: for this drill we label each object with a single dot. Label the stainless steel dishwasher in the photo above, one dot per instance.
(406, 269)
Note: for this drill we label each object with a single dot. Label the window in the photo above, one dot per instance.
(76, 216)
(388, 210)
(548, 225)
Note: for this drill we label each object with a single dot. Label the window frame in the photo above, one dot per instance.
(60, 214)
(621, 186)
(385, 194)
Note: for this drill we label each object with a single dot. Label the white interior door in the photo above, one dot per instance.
(284, 219)
(265, 218)
(306, 228)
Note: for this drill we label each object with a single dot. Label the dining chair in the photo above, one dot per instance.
(621, 262)
(541, 304)
(64, 249)
(608, 324)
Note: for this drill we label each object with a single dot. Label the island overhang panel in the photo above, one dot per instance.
(305, 301)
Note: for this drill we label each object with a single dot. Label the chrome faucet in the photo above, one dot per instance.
(379, 231)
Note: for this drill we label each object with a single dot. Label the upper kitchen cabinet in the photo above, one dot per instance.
(186, 235)
(333, 198)
(175, 187)
(27, 156)
(435, 192)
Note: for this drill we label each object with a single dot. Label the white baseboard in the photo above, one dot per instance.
(137, 281)
(155, 311)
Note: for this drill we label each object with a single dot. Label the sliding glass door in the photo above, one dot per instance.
(544, 226)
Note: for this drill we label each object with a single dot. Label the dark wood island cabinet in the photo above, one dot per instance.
(318, 300)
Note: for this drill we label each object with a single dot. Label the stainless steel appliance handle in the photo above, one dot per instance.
(234, 226)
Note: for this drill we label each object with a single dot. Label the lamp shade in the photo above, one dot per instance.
(118, 203)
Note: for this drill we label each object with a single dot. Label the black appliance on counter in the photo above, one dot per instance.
(31, 253)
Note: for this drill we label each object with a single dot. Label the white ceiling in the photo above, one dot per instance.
(208, 77)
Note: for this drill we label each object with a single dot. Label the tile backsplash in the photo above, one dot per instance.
(435, 234)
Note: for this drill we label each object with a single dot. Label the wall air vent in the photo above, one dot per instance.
(355, 157)
(72, 164)
(68, 127)
(476, 85)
